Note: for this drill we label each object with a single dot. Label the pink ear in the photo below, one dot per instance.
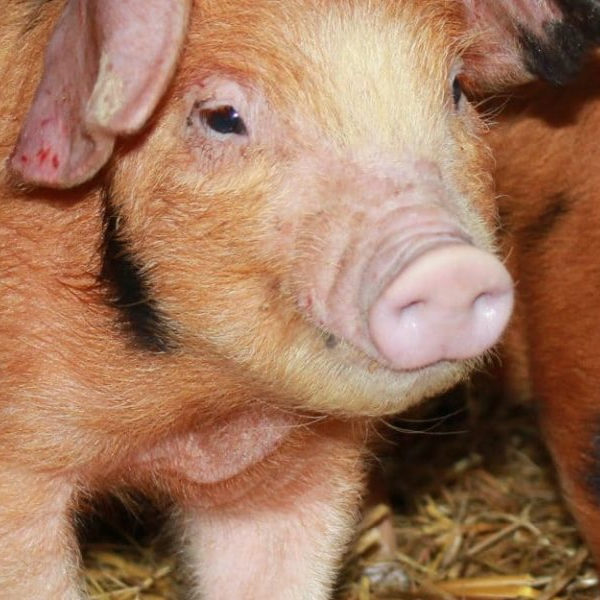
(519, 40)
(106, 66)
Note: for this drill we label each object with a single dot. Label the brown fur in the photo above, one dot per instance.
(224, 422)
(546, 148)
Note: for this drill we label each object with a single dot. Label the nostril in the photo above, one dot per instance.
(488, 304)
(490, 313)
(409, 314)
(483, 299)
(411, 306)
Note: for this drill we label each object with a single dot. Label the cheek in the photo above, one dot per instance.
(209, 159)
(472, 166)
(204, 235)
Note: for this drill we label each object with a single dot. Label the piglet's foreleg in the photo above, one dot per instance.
(39, 556)
(285, 537)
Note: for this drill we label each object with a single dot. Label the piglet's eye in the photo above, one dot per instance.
(224, 119)
(457, 91)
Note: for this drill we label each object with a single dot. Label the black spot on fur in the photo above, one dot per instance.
(331, 341)
(585, 15)
(556, 208)
(129, 291)
(557, 56)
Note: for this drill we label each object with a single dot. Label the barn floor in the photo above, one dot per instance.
(474, 505)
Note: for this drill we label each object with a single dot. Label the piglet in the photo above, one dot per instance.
(547, 170)
(272, 223)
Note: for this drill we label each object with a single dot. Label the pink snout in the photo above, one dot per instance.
(452, 302)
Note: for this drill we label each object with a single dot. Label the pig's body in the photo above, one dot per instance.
(547, 168)
(303, 228)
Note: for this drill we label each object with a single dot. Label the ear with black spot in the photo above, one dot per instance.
(516, 41)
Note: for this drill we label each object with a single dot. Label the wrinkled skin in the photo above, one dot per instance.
(550, 212)
(216, 315)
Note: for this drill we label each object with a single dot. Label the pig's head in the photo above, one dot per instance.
(311, 200)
